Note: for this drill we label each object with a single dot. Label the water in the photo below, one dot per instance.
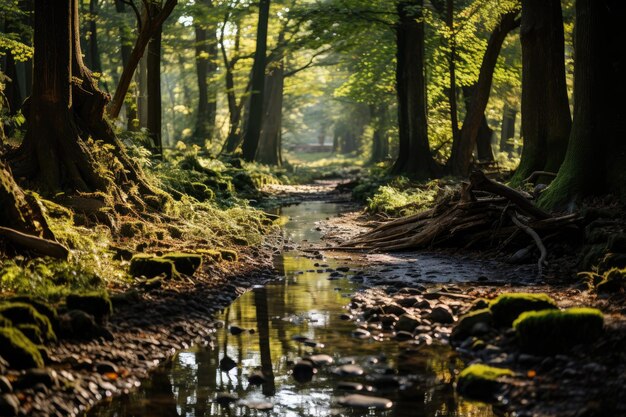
(301, 304)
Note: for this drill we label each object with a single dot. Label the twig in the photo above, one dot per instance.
(536, 238)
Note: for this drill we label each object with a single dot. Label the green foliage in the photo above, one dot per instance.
(18, 350)
(479, 381)
(556, 331)
(508, 306)
(401, 198)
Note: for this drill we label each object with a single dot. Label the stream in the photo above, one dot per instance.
(301, 313)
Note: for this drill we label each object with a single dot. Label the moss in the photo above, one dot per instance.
(240, 241)
(187, 263)
(175, 232)
(32, 332)
(4, 322)
(212, 254)
(464, 327)
(152, 266)
(132, 229)
(18, 350)
(554, 331)
(96, 303)
(612, 281)
(480, 381)
(41, 307)
(508, 306)
(22, 313)
(229, 255)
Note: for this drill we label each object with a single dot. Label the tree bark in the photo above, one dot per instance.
(461, 155)
(153, 62)
(508, 129)
(596, 152)
(380, 137)
(484, 152)
(255, 115)
(206, 53)
(546, 119)
(270, 138)
(414, 158)
(452, 90)
(126, 48)
(94, 51)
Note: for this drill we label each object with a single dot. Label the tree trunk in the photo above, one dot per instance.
(380, 138)
(461, 155)
(596, 152)
(508, 129)
(255, 115)
(546, 120)
(206, 52)
(414, 158)
(269, 141)
(126, 48)
(153, 66)
(94, 52)
(452, 92)
(484, 151)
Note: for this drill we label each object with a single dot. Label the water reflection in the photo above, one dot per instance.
(302, 304)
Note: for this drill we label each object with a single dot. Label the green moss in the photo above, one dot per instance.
(508, 306)
(481, 381)
(187, 263)
(212, 254)
(18, 350)
(96, 303)
(152, 266)
(229, 255)
(554, 331)
(32, 332)
(132, 229)
(41, 306)
(22, 313)
(4, 322)
(466, 323)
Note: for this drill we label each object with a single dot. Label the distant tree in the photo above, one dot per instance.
(596, 153)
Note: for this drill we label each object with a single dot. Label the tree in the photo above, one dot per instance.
(461, 154)
(153, 84)
(414, 156)
(546, 119)
(596, 153)
(269, 150)
(255, 114)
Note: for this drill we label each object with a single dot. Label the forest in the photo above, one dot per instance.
(312, 208)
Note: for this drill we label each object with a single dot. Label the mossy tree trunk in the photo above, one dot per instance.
(414, 157)
(65, 108)
(546, 119)
(596, 152)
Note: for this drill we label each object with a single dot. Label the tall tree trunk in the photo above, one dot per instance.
(452, 92)
(508, 129)
(126, 48)
(546, 120)
(484, 152)
(380, 138)
(94, 52)
(206, 53)
(414, 156)
(461, 155)
(596, 152)
(270, 139)
(255, 115)
(153, 62)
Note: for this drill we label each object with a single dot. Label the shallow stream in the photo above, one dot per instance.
(303, 303)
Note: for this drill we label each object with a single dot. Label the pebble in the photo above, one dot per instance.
(9, 405)
(348, 370)
(441, 314)
(320, 359)
(361, 334)
(365, 401)
(106, 367)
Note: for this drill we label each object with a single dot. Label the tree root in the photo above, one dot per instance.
(542, 249)
(33, 243)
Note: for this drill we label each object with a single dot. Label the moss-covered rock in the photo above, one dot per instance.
(22, 313)
(612, 281)
(466, 326)
(152, 266)
(18, 350)
(186, 263)
(229, 255)
(508, 306)
(554, 331)
(96, 303)
(41, 306)
(212, 254)
(132, 229)
(32, 332)
(481, 382)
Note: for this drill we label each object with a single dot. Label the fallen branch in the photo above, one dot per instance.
(538, 242)
(36, 244)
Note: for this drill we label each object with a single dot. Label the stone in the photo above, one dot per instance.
(365, 401)
(25, 314)
(348, 370)
(236, 330)
(257, 405)
(441, 314)
(257, 378)
(98, 304)
(408, 301)
(18, 350)
(320, 359)
(481, 382)
(361, 334)
(226, 398)
(9, 405)
(466, 325)
(152, 266)
(303, 371)
(185, 263)
(407, 323)
(508, 306)
(105, 367)
(46, 376)
(402, 335)
(394, 309)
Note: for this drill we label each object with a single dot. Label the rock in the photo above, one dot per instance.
(5, 385)
(303, 371)
(408, 301)
(556, 331)
(361, 334)
(77, 324)
(481, 382)
(402, 335)
(422, 329)
(345, 316)
(46, 376)
(350, 386)
(105, 367)
(18, 350)
(407, 323)
(257, 378)
(320, 360)
(186, 263)
(394, 309)
(9, 405)
(226, 398)
(257, 405)
(365, 401)
(25, 314)
(508, 306)
(423, 304)
(348, 370)
(441, 314)
(98, 304)
(227, 364)
(151, 266)
(466, 325)
(343, 268)
(41, 307)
